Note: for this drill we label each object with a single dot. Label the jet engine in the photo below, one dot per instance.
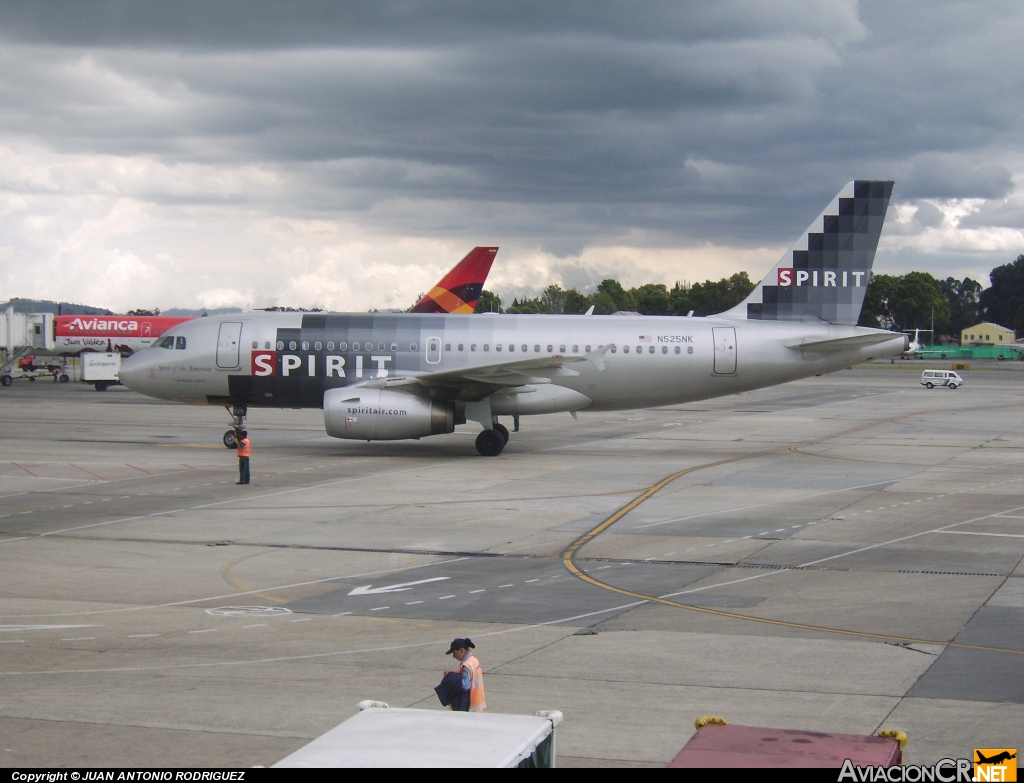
(379, 414)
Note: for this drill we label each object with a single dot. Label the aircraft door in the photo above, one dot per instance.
(227, 345)
(725, 350)
(433, 350)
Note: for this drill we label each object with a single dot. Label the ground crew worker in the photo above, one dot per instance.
(244, 451)
(472, 674)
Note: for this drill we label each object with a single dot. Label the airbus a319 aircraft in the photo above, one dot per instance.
(408, 375)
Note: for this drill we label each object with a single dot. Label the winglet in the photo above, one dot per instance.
(459, 290)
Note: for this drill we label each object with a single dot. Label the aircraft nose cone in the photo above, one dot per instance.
(132, 372)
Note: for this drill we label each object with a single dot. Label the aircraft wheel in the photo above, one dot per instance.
(64, 378)
(101, 387)
(229, 439)
(489, 443)
(502, 430)
(7, 380)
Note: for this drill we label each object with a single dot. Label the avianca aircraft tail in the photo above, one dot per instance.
(460, 289)
(825, 275)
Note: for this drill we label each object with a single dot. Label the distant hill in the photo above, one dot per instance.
(57, 308)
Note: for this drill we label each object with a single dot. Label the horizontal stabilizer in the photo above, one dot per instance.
(845, 343)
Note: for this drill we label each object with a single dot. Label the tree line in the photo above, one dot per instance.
(610, 296)
(915, 300)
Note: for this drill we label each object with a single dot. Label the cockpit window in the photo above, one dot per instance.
(180, 343)
(167, 342)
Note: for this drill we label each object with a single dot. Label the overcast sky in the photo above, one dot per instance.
(345, 155)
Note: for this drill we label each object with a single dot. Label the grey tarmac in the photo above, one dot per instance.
(841, 553)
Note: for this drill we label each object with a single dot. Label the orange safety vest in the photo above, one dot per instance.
(243, 448)
(477, 703)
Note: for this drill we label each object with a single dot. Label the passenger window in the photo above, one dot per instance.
(255, 345)
(305, 345)
(472, 347)
(330, 346)
(342, 346)
(511, 349)
(587, 349)
(179, 343)
(536, 349)
(380, 346)
(167, 342)
(266, 345)
(487, 346)
(551, 348)
(413, 347)
(317, 345)
(447, 346)
(664, 349)
(497, 348)
(639, 349)
(460, 346)
(355, 346)
(394, 346)
(292, 345)
(575, 349)
(280, 345)
(677, 349)
(613, 349)
(625, 349)
(524, 349)
(561, 349)
(650, 349)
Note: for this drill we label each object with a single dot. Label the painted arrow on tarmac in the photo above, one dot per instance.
(370, 590)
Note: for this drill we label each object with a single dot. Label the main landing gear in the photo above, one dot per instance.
(490, 443)
(237, 423)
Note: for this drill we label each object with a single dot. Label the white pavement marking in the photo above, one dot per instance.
(142, 635)
(80, 639)
(4, 628)
(972, 533)
(399, 588)
(204, 630)
(235, 595)
(314, 656)
(834, 557)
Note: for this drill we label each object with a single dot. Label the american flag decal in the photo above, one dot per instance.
(645, 338)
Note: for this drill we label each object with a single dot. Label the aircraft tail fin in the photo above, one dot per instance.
(825, 275)
(459, 290)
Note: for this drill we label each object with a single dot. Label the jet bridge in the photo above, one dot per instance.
(22, 334)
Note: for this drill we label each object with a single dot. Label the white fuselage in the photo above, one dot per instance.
(291, 359)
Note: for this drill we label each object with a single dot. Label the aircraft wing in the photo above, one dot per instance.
(521, 372)
(844, 343)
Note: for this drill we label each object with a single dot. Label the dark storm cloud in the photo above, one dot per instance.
(728, 122)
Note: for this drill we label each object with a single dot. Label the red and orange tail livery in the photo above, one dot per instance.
(459, 290)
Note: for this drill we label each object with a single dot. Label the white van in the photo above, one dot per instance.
(948, 378)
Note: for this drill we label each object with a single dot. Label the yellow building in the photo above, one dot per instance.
(986, 333)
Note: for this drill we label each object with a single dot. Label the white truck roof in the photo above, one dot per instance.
(399, 737)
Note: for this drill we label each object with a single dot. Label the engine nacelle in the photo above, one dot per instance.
(379, 414)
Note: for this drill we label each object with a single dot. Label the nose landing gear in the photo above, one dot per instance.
(238, 413)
